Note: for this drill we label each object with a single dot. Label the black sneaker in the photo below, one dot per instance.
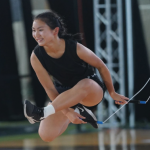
(90, 117)
(33, 113)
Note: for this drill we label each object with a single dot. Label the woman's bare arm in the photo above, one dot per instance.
(88, 56)
(44, 79)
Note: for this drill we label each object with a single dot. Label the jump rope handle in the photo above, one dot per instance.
(137, 102)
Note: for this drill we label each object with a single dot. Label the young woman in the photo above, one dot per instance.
(74, 84)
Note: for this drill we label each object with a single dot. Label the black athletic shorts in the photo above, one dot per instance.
(60, 88)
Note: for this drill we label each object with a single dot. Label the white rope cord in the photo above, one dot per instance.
(148, 99)
(129, 100)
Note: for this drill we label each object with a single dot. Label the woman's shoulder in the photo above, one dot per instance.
(70, 40)
(71, 44)
(37, 51)
(36, 48)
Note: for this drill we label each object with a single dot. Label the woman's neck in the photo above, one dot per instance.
(56, 48)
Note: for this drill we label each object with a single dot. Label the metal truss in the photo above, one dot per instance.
(109, 47)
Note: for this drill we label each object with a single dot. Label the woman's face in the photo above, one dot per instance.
(42, 33)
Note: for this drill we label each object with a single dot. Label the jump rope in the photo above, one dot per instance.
(129, 101)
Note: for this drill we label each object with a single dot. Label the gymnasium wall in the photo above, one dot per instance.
(78, 15)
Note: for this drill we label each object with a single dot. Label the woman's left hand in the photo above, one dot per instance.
(119, 99)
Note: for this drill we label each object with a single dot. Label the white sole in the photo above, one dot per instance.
(29, 118)
(91, 113)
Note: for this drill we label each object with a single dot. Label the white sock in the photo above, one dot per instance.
(48, 110)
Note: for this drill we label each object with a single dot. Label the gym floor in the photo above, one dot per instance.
(106, 139)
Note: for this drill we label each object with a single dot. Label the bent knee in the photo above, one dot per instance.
(86, 84)
(46, 136)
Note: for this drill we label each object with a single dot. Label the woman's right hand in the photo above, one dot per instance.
(74, 117)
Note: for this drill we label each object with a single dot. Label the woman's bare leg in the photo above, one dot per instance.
(86, 92)
(53, 126)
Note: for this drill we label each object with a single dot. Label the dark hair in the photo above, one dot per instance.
(53, 20)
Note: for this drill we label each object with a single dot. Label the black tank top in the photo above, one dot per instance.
(69, 68)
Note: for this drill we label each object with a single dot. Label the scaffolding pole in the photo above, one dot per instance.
(108, 29)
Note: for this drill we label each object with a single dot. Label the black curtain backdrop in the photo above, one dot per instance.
(141, 68)
(88, 23)
(39, 92)
(78, 16)
(140, 60)
(11, 107)
(68, 11)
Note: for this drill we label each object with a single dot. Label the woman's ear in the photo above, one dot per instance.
(56, 31)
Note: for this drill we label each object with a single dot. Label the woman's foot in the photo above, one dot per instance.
(33, 113)
(88, 114)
